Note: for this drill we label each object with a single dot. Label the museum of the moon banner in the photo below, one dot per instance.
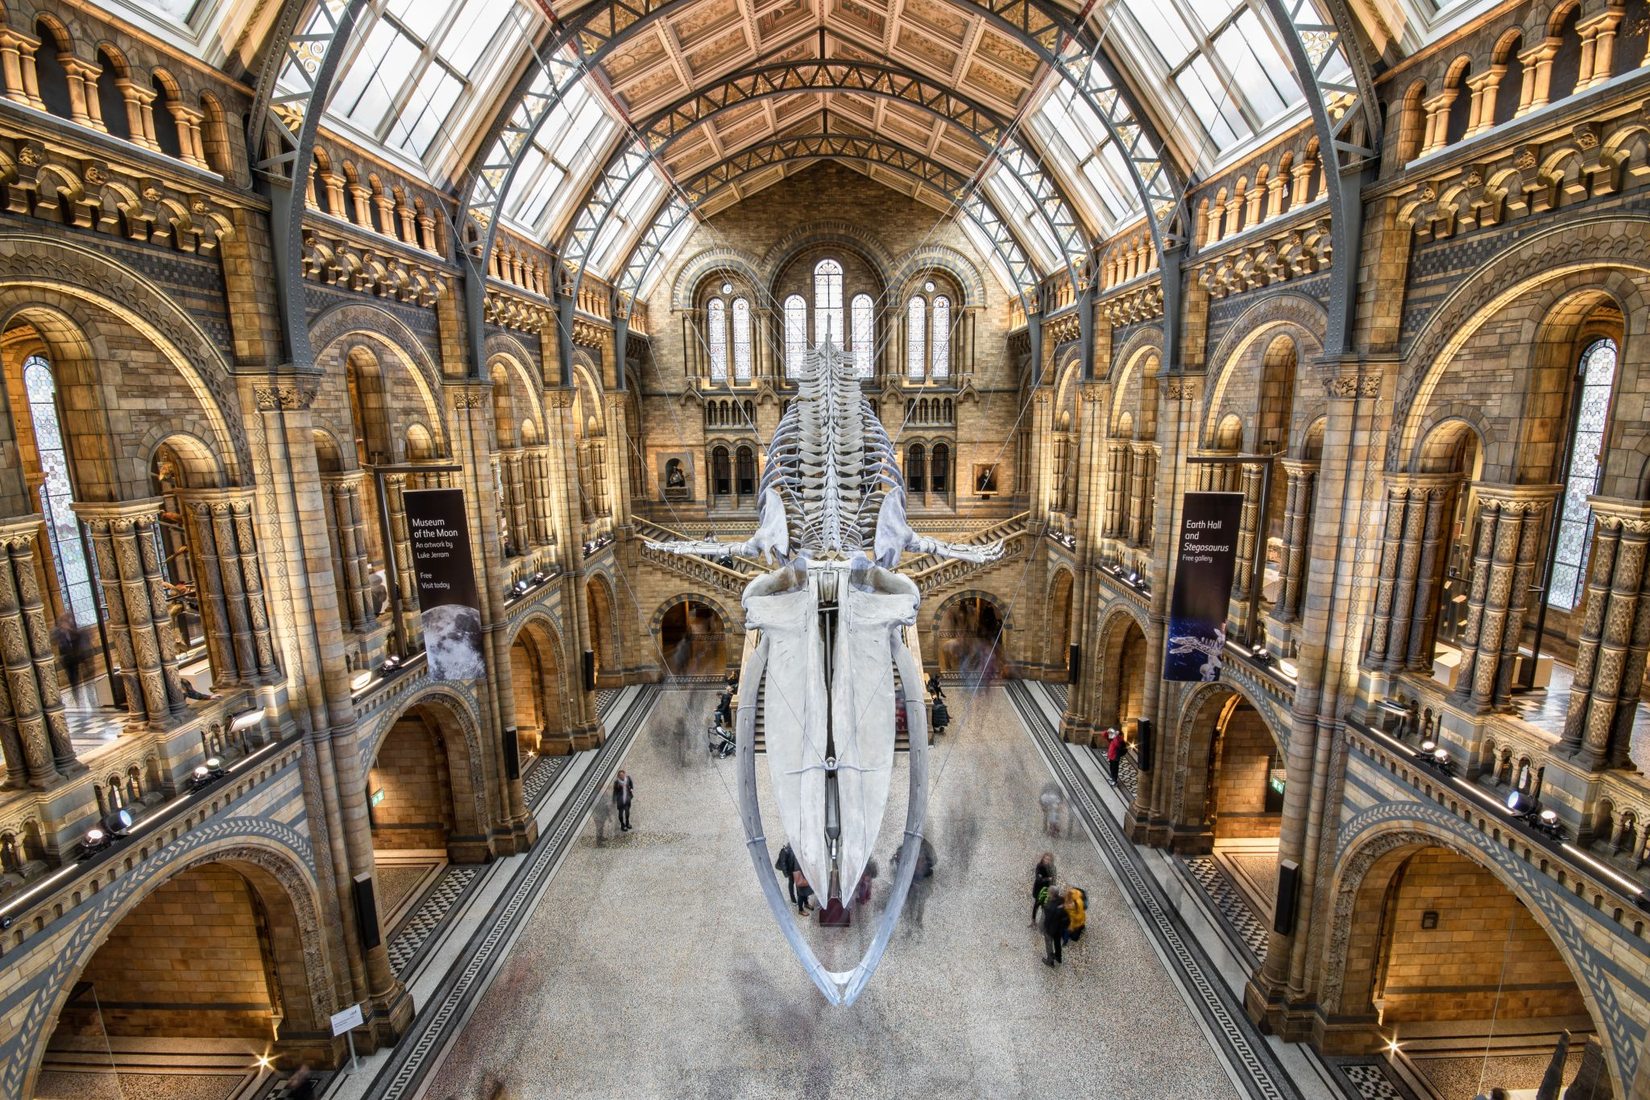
(447, 595)
(1202, 585)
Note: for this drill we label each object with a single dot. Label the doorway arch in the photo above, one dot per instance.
(536, 669)
(693, 640)
(423, 788)
(604, 641)
(971, 632)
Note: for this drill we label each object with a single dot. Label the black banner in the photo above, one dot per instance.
(447, 594)
(1202, 585)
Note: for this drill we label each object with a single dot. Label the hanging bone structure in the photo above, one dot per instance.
(832, 616)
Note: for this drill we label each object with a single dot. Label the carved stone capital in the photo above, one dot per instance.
(19, 533)
(1630, 517)
(284, 395)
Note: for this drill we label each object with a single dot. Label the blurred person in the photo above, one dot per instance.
(1053, 801)
(804, 893)
(1114, 753)
(70, 642)
(603, 814)
(624, 793)
(1055, 925)
(1042, 881)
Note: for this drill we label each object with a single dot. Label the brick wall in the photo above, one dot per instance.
(416, 809)
(188, 961)
(1240, 794)
(1484, 939)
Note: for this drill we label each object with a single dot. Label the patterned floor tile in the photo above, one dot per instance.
(1230, 902)
(409, 940)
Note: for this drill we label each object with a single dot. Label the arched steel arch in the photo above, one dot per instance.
(595, 30)
(715, 180)
(1334, 77)
(308, 63)
(654, 134)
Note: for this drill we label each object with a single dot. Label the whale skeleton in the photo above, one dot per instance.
(831, 617)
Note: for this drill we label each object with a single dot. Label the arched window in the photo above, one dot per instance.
(111, 101)
(916, 469)
(741, 340)
(745, 468)
(1594, 382)
(721, 476)
(716, 338)
(863, 318)
(939, 469)
(796, 334)
(74, 577)
(940, 363)
(916, 337)
(828, 302)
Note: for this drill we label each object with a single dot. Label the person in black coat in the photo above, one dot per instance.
(1041, 879)
(787, 866)
(624, 793)
(1055, 923)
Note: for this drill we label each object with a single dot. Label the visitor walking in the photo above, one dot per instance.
(787, 866)
(1053, 801)
(1042, 881)
(70, 642)
(1077, 905)
(804, 892)
(1114, 753)
(624, 793)
(1055, 925)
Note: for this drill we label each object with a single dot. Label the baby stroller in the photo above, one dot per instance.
(722, 743)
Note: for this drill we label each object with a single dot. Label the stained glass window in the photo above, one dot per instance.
(1597, 379)
(916, 337)
(716, 338)
(828, 302)
(74, 578)
(940, 367)
(796, 334)
(863, 316)
(741, 340)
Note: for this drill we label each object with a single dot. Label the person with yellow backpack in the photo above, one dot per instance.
(1077, 904)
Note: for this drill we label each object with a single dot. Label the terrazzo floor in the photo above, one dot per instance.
(650, 966)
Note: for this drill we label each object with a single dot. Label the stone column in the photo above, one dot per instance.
(1513, 527)
(36, 740)
(515, 489)
(1297, 522)
(1401, 623)
(231, 585)
(125, 542)
(1615, 637)
(1140, 489)
(345, 513)
(17, 69)
(538, 496)
(1118, 482)
(1248, 529)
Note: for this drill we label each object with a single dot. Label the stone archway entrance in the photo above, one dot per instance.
(598, 596)
(536, 675)
(971, 638)
(1057, 656)
(421, 796)
(1447, 970)
(210, 963)
(693, 640)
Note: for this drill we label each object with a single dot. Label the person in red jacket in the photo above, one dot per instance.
(1114, 753)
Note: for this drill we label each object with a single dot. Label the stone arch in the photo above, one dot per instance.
(1061, 617)
(993, 647)
(457, 736)
(72, 289)
(279, 857)
(604, 630)
(539, 677)
(963, 270)
(1382, 836)
(1607, 254)
(1252, 334)
(389, 340)
(709, 657)
(1204, 711)
(199, 466)
(702, 266)
(828, 231)
(1122, 651)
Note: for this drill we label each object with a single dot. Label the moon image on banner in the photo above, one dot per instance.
(452, 640)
